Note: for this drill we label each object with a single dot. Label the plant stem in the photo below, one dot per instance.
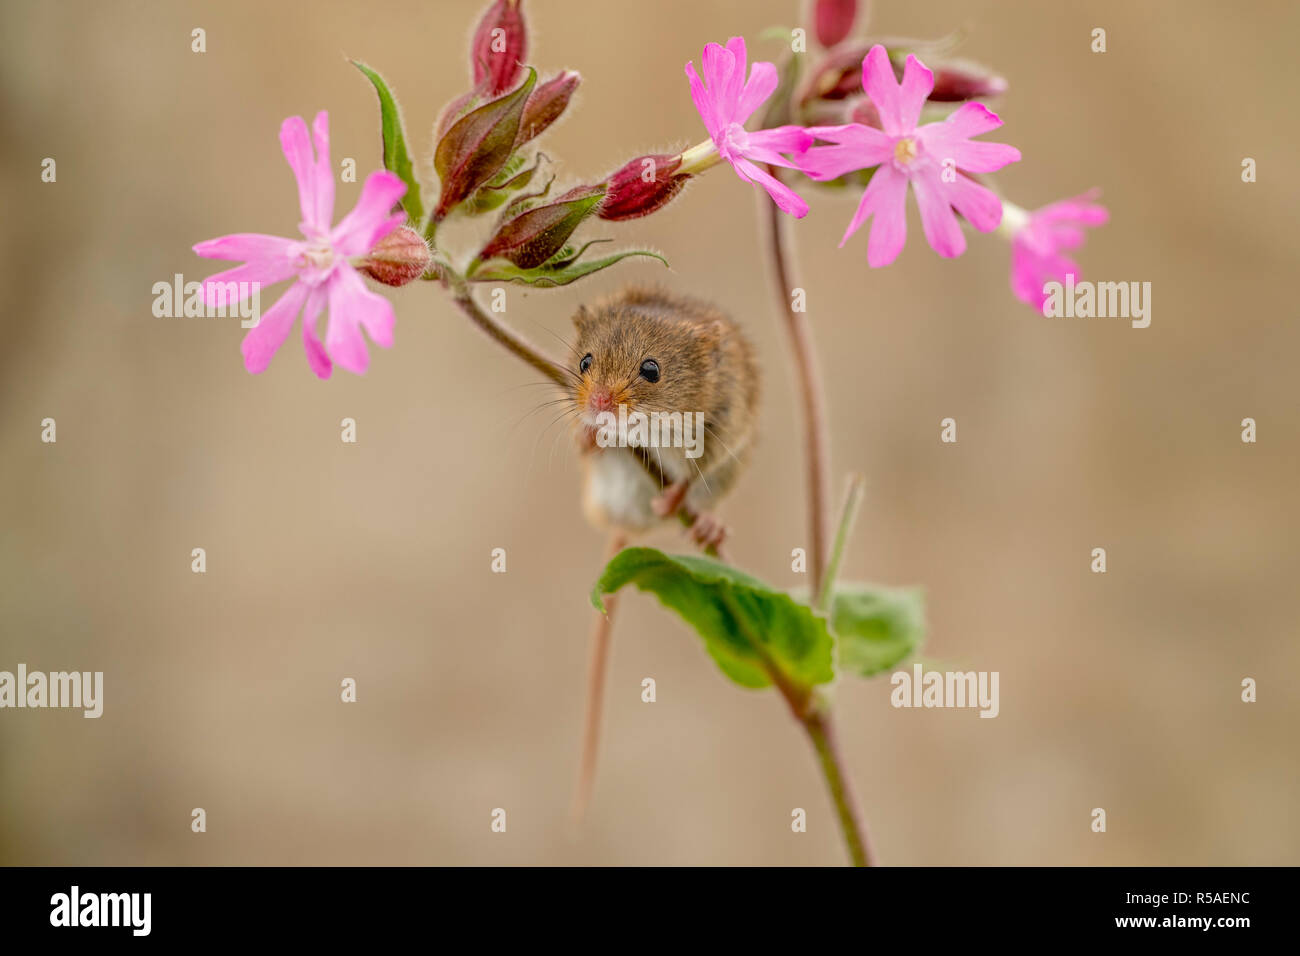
(512, 340)
(812, 713)
(848, 515)
(816, 440)
(817, 722)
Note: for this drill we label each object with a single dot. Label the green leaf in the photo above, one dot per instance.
(751, 630)
(396, 157)
(551, 274)
(875, 626)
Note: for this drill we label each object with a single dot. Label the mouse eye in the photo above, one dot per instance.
(585, 363)
(650, 370)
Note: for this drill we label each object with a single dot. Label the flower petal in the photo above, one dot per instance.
(246, 246)
(978, 204)
(352, 308)
(719, 63)
(265, 338)
(262, 273)
(942, 231)
(855, 147)
(767, 145)
(297, 151)
(323, 204)
(786, 199)
(878, 80)
(918, 83)
(736, 80)
(703, 102)
(950, 139)
(371, 218)
(762, 82)
(317, 357)
(885, 198)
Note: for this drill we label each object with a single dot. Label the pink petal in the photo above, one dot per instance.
(1025, 281)
(263, 339)
(703, 102)
(244, 246)
(353, 307)
(979, 204)
(297, 151)
(856, 147)
(786, 199)
(1081, 209)
(263, 272)
(762, 82)
(719, 63)
(736, 81)
(950, 139)
(942, 231)
(918, 83)
(884, 198)
(878, 80)
(371, 218)
(317, 357)
(767, 145)
(323, 206)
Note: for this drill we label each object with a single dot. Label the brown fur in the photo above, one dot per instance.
(705, 365)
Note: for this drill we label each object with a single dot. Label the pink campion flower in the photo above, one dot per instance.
(318, 262)
(1040, 238)
(725, 101)
(928, 157)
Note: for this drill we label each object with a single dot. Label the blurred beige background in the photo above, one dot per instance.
(371, 561)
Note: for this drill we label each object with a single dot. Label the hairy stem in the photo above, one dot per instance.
(512, 340)
(812, 400)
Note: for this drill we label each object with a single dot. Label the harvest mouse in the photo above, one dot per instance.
(672, 375)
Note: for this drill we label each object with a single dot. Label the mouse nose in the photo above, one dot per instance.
(600, 399)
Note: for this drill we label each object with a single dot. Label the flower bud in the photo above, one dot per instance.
(476, 146)
(533, 236)
(547, 103)
(499, 47)
(833, 20)
(640, 187)
(864, 111)
(962, 80)
(839, 75)
(400, 257)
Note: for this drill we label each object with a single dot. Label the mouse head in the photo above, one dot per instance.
(641, 359)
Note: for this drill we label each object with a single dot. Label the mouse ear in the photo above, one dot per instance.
(582, 318)
(711, 332)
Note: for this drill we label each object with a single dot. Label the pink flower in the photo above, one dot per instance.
(928, 157)
(318, 262)
(726, 102)
(1037, 244)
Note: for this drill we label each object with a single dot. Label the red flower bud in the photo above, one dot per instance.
(838, 75)
(400, 257)
(865, 112)
(641, 187)
(533, 236)
(962, 80)
(478, 144)
(833, 20)
(500, 46)
(547, 103)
